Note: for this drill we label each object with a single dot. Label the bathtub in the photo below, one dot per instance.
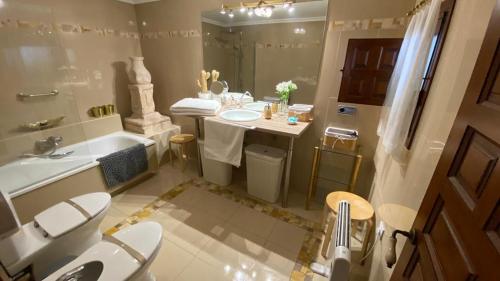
(28, 174)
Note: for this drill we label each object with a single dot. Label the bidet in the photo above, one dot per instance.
(64, 230)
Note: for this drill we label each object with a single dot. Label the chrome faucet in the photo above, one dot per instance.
(49, 144)
(47, 147)
(246, 93)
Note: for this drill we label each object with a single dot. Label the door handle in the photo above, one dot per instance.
(390, 256)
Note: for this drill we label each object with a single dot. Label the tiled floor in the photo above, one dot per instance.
(213, 236)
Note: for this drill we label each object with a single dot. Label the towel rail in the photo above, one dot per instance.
(51, 93)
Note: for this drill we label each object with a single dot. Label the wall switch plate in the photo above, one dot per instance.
(380, 230)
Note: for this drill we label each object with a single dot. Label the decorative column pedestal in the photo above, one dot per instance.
(145, 120)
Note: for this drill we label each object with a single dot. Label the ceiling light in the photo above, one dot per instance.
(250, 12)
(299, 31)
(223, 11)
(286, 5)
(231, 15)
(264, 11)
(291, 8)
(243, 9)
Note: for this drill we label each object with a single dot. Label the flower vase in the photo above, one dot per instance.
(283, 107)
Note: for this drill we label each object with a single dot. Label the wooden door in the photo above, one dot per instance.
(367, 69)
(458, 224)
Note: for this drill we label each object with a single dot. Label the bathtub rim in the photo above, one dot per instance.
(23, 190)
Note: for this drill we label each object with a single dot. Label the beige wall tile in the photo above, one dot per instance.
(59, 46)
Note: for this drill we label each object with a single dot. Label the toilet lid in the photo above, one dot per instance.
(70, 214)
(118, 264)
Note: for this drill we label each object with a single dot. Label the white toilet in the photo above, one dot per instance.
(126, 255)
(55, 236)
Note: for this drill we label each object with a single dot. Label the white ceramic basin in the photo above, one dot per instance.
(240, 115)
(255, 106)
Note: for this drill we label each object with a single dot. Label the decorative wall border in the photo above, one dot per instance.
(192, 33)
(43, 28)
(370, 24)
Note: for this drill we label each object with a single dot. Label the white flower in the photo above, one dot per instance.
(285, 88)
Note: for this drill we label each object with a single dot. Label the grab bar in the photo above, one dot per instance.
(51, 93)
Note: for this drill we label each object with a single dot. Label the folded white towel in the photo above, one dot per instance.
(192, 104)
(223, 141)
(194, 113)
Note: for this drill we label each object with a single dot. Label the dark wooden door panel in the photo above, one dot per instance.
(443, 244)
(388, 57)
(491, 92)
(458, 224)
(367, 70)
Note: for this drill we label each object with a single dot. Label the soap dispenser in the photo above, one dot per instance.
(268, 113)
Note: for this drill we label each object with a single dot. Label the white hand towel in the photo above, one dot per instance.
(223, 141)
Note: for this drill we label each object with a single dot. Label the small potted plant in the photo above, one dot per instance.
(284, 90)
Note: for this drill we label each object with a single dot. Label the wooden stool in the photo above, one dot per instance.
(182, 140)
(361, 211)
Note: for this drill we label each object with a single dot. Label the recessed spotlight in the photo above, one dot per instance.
(223, 11)
(231, 15)
(291, 9)
(243, 9)
(250, 12)
(286, 5)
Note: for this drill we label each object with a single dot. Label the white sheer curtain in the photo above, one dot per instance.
(406, 80)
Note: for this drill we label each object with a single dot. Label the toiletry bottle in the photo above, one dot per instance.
(268, 113)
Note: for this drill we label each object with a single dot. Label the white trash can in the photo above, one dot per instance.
(214, 171)
(264, 171)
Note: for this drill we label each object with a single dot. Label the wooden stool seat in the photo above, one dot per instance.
(361, 210)
(182, 140)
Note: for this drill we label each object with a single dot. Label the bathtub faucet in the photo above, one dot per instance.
(46, 149)
(49, 144)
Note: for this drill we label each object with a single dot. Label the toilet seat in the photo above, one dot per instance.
(119, 264)
(70, 214)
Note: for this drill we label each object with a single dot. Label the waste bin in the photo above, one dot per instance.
(214, 171)
(264, 171)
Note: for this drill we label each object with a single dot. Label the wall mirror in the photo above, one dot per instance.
(255, 49)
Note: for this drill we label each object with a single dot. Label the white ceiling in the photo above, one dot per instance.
(304, 11)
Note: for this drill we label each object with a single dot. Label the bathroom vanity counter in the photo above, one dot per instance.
(277, 125)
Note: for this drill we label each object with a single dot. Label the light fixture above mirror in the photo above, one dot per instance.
(261, 8)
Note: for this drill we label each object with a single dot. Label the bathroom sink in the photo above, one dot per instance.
(86, 272)
(255, 106)
(240, 115)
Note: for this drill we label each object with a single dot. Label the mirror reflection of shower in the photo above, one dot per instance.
(256, 53)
